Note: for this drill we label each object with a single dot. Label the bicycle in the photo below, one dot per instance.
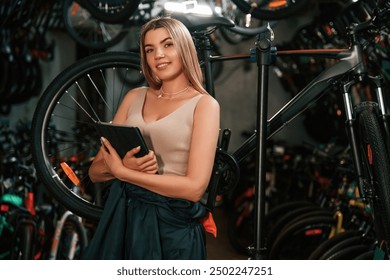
(27, 215)
(90, 90)
(119, 10)
(70, 238)
(103, 24)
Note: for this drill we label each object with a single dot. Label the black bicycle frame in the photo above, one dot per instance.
(348, 63)
(348, 70)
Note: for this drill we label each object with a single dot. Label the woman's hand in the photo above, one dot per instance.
(147, 163)
(112, 160)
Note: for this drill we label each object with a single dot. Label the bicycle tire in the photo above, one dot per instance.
(327, 244)
(22, 248)
(291, 217)
(89, 31)
(266, 11)
(111, 11)
(278, 211)
(376, 168)
(349, 253)
(288, 244)
(368, 255)
(332, 252)
(62, 129)
(72, 225)
(239, 239)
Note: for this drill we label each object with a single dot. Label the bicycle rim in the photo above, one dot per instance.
(63, 131)
(89, 31)
(376, 168)
(115, 11)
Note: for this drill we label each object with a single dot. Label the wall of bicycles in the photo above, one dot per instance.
(34, 47)
(41, 38)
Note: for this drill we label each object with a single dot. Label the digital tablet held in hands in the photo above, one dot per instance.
(122, 138)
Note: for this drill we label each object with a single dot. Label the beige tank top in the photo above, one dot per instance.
(168, 137)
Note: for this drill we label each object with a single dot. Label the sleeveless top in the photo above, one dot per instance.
(170, 136)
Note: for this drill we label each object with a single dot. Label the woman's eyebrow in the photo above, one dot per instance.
(162, 41)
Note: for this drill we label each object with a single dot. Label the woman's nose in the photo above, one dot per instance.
(159, 53)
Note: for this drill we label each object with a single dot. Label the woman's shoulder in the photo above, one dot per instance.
(207, 105)
(208, 100)
(131, 96)
(138, 90)
(133, 93)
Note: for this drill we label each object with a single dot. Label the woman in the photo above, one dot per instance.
(180, 123)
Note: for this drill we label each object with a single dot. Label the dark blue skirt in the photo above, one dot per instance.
(138, 224)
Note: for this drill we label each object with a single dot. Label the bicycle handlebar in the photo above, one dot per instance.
(380, 18)
(251, 32)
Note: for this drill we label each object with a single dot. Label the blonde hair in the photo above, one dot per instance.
(184, 44)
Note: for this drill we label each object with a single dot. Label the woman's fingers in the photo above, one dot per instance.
(133, 151)
(150, 163)
(147, 163)
(105, 144)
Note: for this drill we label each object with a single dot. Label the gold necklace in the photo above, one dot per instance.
(170, 95)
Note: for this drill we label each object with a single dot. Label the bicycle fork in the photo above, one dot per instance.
(57, 236)
(365, 187)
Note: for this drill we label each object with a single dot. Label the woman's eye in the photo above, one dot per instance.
(148, 50)
(167, 45)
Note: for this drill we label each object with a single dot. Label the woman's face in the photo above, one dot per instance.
(161, 55)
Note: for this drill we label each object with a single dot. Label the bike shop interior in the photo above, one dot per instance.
(298, 150)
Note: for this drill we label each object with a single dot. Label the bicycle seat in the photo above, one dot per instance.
(198, 23)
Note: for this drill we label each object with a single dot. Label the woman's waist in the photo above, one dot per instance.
(178, 206)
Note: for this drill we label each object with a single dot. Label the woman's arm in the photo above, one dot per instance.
(98, 171)
(193, 184)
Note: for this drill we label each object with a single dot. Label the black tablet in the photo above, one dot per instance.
(122, 138)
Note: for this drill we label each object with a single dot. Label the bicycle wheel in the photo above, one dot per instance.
(290, 217)
(89, 31)
(347, 249)
(376, 168)
(63, 126)
(368, 255)
(350, 253)
(241, 228)
(327, 244)
(271, 9)
(73, 239)
(114, 11)
(23, 239)
(299, 239)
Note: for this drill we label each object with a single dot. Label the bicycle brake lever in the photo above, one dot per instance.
(271, 32)
(268, 36)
